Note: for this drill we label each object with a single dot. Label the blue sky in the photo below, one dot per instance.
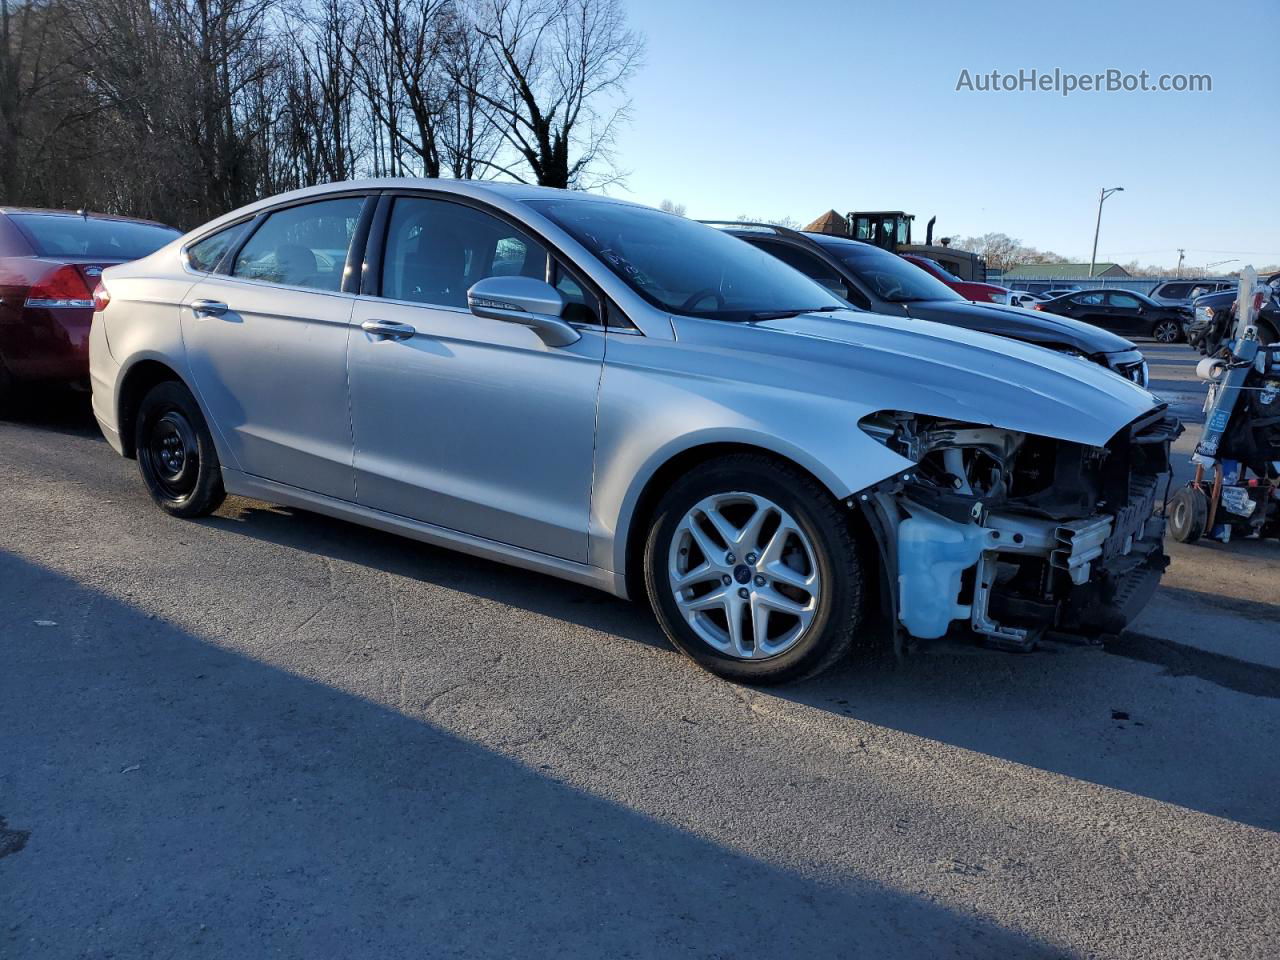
(788, 109)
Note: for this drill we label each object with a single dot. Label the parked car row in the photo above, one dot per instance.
(874, 279)
(1215, 313)
(773, 457)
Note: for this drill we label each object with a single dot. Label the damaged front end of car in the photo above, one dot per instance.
(1009, 535)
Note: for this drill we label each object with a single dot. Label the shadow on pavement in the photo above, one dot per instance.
(55, 410)
(1051, 710)
(182, 800)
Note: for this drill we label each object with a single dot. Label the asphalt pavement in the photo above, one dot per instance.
(268, 733)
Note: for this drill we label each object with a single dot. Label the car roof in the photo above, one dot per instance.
(483, 190)
(85, 215)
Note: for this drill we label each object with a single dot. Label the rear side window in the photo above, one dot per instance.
(68, 235)
(1088, 299)
(302, 246)
(1175, 291)
(437, 249)
(203, 255)
(811, 266)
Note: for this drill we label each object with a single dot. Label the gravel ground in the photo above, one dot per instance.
(270, 733)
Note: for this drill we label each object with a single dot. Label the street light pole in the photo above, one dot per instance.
(1093, 259)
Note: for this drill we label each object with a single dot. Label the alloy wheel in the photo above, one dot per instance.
(1167, 332)
(744, 575)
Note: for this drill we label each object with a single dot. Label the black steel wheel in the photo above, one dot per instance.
(175, 452)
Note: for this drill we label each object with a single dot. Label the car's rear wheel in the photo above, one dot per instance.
(175, 452)
(1167, 331)
(753, 571)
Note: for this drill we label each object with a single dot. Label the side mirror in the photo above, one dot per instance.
(526, 301)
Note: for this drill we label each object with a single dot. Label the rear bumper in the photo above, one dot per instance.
(42, 344)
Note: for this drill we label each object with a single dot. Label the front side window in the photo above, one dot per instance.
(203, 255)
(685, 267)
(889, 276)
(809, 265)
(436, 249)
(1124, 301)
(580, 304)
(302, 246)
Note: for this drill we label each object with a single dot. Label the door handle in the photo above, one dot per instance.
(213, 308)
(388, 329)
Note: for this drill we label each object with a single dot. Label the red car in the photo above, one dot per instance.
(50, 261)
(969, 289)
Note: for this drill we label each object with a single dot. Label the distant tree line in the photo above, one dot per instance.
(180, 110)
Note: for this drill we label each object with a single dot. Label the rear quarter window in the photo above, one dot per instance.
(203, 255)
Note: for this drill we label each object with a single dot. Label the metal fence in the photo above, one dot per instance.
(1142, 285)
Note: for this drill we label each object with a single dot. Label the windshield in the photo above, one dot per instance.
(889, 276)
(63, 235)
(685, 267)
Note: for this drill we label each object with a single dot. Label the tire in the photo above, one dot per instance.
(1188, 514)
(804, 535)
(1167, 331)
(175, 452)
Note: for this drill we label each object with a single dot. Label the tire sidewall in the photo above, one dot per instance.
(207, 493)
(839, 605)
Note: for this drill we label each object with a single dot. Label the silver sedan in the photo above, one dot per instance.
(629, 399)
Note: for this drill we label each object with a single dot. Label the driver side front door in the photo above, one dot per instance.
(466, 422)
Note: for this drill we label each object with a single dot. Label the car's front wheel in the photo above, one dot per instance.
(753, 571)
(1167, 331)
(175, 452)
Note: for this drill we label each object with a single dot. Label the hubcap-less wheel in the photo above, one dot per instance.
(1167, 332)
(174, 454)
(744, 575)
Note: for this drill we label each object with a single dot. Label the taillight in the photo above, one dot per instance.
(1036, 306)
(101, 297)
(65, 287)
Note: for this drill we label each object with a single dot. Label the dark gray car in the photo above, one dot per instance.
(875, 279)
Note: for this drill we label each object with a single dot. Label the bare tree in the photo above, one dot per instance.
(1001, 251)
(183, 109)
(561, 68)
(670, 206)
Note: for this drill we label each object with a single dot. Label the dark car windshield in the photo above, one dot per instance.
(685, 267)
(889, 276)
(66, 235)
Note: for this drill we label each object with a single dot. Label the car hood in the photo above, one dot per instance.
(879, 363)
(1033, 326)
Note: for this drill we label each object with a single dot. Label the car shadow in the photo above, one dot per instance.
(54, 410)
(549, 596)
(1052, 709)
(167, 796)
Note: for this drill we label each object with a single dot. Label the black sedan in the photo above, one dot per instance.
(1125, 312)
(882, 282)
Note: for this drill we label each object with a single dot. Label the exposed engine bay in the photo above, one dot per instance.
(1009, 534)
